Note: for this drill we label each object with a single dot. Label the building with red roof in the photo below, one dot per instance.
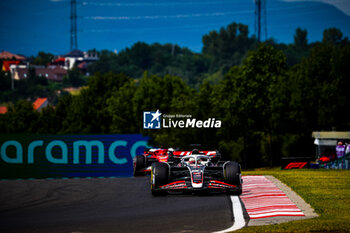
(4, 55)
(9, 59)
(40, 103)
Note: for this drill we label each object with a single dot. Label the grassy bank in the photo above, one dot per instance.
(327, 191)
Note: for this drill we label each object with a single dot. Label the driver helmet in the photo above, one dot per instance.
(191, 161)
(195, 152)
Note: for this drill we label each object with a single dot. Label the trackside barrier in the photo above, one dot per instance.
(342, 163)
(67, 156)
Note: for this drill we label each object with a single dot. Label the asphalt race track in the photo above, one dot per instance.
(106, 205)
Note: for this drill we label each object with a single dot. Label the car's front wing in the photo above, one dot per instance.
(210, 185)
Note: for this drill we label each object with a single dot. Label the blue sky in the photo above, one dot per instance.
(27, 27)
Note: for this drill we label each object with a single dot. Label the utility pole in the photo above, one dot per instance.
(12, 81)
(172, 50)
(260, 18)
(73, 25)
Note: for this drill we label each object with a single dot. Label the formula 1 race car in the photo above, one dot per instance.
(196, 172)
(142, 163)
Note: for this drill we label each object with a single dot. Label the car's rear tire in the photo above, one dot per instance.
(232, 174)
(139, 164)
(159, 177)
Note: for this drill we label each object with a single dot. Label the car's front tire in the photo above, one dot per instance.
(232, 174)
(159, 177)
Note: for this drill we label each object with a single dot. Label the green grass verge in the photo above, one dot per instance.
(327, 191)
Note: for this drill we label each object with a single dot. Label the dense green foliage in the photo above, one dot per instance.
(268, 108)
(228, 46)
(156, 59)
(42, 59)
(29, 89)
(37, 86)
(221, 50)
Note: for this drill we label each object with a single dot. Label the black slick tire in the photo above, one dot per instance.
(232, 174)
(159, 177)
(139, 164)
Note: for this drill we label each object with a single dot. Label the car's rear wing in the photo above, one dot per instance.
(156, 151)
(211, 153)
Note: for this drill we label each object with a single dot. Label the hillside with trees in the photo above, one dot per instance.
(269, 96)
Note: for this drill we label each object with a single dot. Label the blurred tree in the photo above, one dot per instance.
(62, 109)
(5, 81)
(320, 94)
(249, 96)
(74, 78)
(156, 59)
(204, 109)
(170, 95)
(42, 59)
(48, 121)
(332, 35)
(228, 47)
(120, 106)
(21, 118)
(300, 38)
(88, 111)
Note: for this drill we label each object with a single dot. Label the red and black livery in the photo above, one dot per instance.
(142, 163)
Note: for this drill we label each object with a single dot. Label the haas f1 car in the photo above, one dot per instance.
(194, 172)
(142, 163)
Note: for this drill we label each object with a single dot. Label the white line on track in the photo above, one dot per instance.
(237, 210)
